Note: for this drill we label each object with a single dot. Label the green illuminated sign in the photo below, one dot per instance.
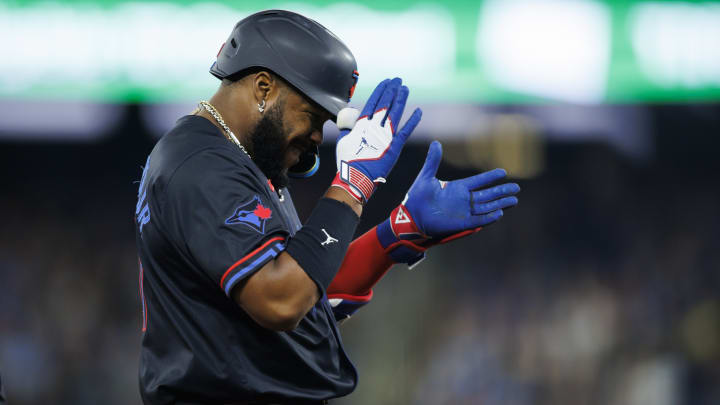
(491, 51)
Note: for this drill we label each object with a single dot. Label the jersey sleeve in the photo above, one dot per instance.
(222, 217)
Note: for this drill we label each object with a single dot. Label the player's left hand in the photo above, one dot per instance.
(436, 211)
(367, 149)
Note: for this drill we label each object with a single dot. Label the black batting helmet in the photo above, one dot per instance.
(302, 52)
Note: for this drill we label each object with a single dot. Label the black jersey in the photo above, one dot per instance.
(207, 218)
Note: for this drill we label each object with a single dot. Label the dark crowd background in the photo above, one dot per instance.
(600, 287)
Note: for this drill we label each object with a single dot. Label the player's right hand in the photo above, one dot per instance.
(446, 210)
(366, 152)
(436, 211)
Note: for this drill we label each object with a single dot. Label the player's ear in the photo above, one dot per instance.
(264, 86)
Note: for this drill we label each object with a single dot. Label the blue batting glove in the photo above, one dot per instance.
(367, 150)
(436, 211)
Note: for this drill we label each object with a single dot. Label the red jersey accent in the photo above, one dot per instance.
(249, 255)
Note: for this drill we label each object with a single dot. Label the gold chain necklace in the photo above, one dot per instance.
(228, 133)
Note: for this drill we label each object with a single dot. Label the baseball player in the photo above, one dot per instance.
(240, 299)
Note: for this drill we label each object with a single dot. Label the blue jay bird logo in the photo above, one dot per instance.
(251, 213)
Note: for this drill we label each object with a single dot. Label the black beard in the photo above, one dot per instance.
(268, 147)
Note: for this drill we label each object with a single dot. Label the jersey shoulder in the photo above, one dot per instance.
(199, 147)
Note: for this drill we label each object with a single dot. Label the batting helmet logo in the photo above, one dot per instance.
(355, 76)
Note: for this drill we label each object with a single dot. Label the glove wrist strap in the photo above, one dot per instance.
(401, 238)
(361, 185)
(338, 182)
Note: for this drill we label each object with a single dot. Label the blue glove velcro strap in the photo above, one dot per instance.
(385, 234)
(320, 245)
(399, 251)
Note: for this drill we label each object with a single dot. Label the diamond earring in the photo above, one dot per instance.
(261, 106)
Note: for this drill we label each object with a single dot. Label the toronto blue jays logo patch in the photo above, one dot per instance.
(251, 213)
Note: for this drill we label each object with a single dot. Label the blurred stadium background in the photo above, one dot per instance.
(601, 287)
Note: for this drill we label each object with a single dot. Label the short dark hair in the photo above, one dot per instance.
(237, 76)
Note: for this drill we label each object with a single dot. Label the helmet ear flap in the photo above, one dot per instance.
(307, 166)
